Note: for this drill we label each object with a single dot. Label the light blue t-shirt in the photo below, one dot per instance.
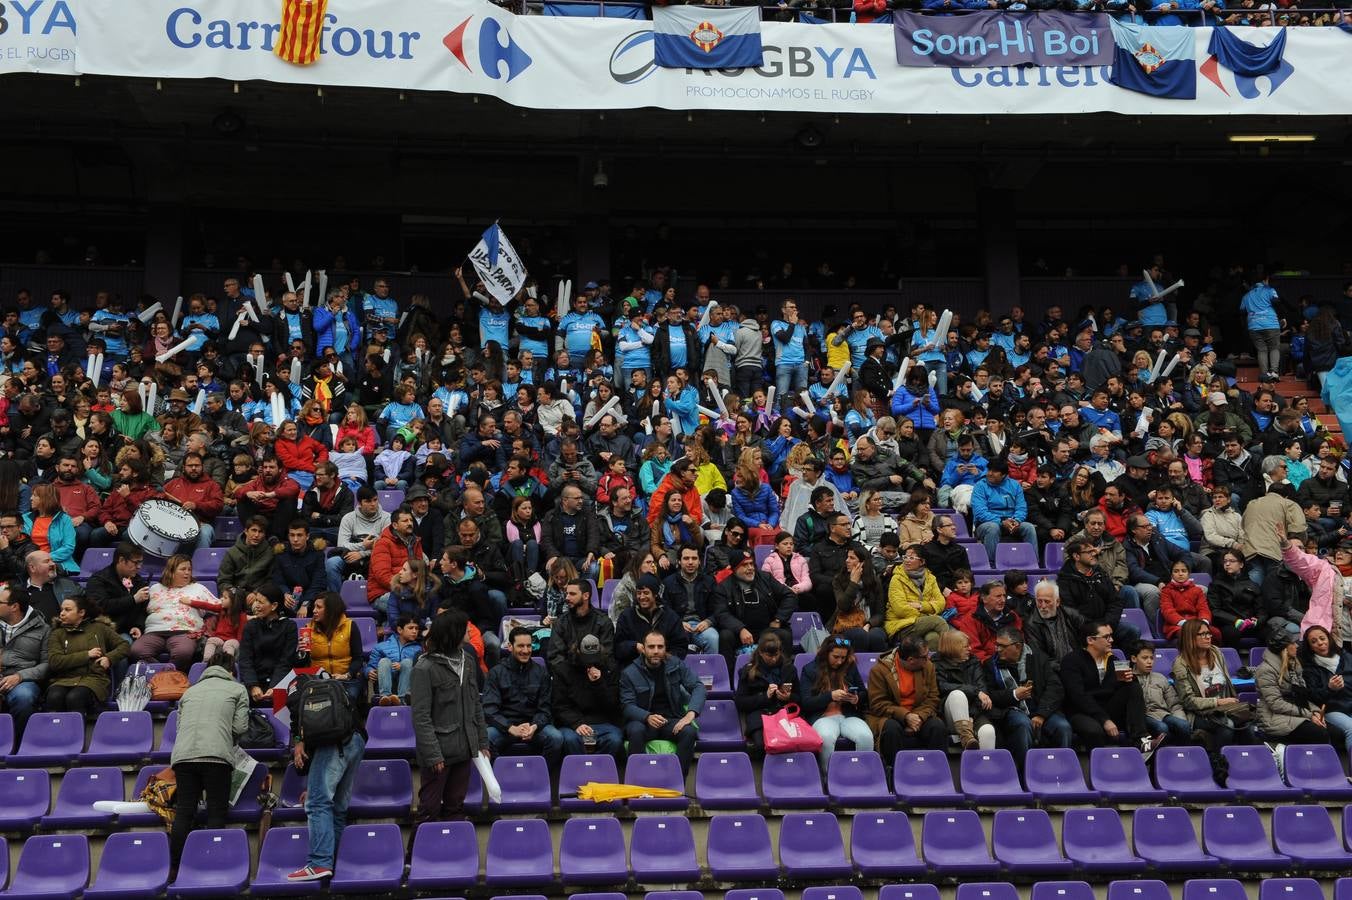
(1258, 304)
(791, 353)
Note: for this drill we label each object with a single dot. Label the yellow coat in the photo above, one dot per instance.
(905, 605)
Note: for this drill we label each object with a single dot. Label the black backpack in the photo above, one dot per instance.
(325, 714)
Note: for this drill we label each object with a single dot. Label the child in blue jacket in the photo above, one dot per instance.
(391, 662)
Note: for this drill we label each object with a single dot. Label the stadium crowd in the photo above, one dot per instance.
(718, 470)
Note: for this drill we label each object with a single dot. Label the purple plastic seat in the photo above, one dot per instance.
(662, 850)
(27, 793)
(883, 846)
(924, 778)
(954, 843)
(725, 781)
(289, 807)
(908, 892)
(120, 738)
(75, 798)
(762, 552)
(1119, 774)
(215, 864)
(1236, 835)
(1165, 838)
(661, 770)
(1165, 658)
(792, 781)
(390, 732)
(50, 739)
(755, 894)
(1254, 775)
(591, 851)
(1290, 889)
(1061, 890)
(51, 867)
(133, 866)
(206, 562)
(810, 846)
(990, 890)
(96, 559)
(168, 735)
(1307, 835)
(367, 627)
(1315, 769)
(1136, 617)
(390, 500)
(599, 895)
(6, 735)
(525, 785)
(800, 623)
(977, 558)
(281, 734)
(1185, 773)
(284, 850)
(865, 663)
(1026, 844)
(445, 855)
(1053, 775)
(1096, 842)
(145, 819)
(720, 727)
(1145, 889)
(353, 592)
(246, 809)
(370, 860)
(580, 769)
(739, 849)
(673, 895)
(1015, 556)
(855, 778)
(712, 669)
(989, 777)
(520, 854)
(383, 789)
(833, 892)
(1054, 555)
(1214, 889)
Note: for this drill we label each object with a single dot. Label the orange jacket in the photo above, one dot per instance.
(388, 556)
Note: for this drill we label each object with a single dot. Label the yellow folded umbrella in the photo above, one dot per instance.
(599, 792)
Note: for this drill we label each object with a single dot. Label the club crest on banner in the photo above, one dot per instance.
(706, 36)
(1149, 58)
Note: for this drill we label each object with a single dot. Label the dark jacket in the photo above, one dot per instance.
(626, 536)
(660, 350)
(24, 653)
(1317, 680)
(1086, 692)
(1093, 597)
(751, 697)
(1233, 599)
(633, 626)
(305, 569)
(969, 678)
(471, 597)
(1153, 567)
(516, 693)
(1035, 666)
(826, 559)
(569, 631)
(588, 535)
(814, 703)
(943, 561)
(638, 683)
(1054, 638)
(580, 701)
(432, 532)
(246, 568)
(767, 601)
(692, 599)
(267, 651)
(117, 601)
(488, 559)
(330, 516)
(1049, 509)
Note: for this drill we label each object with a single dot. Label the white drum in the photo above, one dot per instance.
(160, 526)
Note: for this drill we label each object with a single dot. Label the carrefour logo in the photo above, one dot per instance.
(1246, 86)
(632, 61)
(493, 51)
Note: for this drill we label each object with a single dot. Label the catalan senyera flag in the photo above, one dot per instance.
(302, 24)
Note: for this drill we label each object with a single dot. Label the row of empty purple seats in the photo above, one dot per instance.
(1194, 889)
(118, 738)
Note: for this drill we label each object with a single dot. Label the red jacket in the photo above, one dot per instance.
(366, 438)
(980, 629)
(287, 492)
(119, 510)
(78, 498)
(388, 556)
(1117, 521)
(205, 495)
(300, 455)
(1179, 602)
(694, 504)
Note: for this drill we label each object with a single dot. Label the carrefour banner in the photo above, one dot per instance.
(474, 47)
(992, 38)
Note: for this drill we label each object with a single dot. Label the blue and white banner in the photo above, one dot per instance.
(992, 38)
(475, 47)
(1244, 58)
(1154, 59)
(594, 10)
(695, 37)
(498, 265)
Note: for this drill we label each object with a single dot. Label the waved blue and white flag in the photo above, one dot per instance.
(693, 37)
(1243, 58)
(1154, 60)
(498, 265)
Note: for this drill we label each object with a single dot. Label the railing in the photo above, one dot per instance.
(826, 11)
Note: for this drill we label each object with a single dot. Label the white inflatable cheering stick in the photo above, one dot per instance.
(323, 287)
(178, 309)
(149, 312)
(901, 374)
(941, 330)
(704, 316)
(260, 297)
(839, 381)
(200, 402)
(600, 413)
(565, 289)
(1156, 293)
(94, 368)
(718, 397)
(278, 410)
(1159, 364)
(174, 350)
(295, 372)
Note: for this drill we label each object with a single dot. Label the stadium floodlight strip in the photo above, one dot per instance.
(1272, 138)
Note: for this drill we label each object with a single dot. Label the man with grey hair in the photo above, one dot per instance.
(1025, 684)
(1051, 628)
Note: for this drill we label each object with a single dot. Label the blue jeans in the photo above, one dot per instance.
(1341, 723)
(21, 703)
(499, 599)
(548, 742)
(790, 381)
(706, 640)
(609, 740)
(1017, 733)
(989, 534)
(1258, 569)
(1177, 727)
(526, 553)
(333, 770)
(333, 570)
(385, 678)
(206, 533)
